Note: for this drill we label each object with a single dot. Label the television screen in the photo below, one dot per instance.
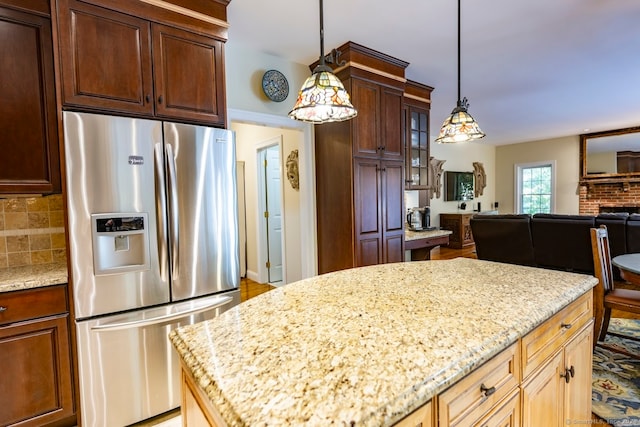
(458, 185)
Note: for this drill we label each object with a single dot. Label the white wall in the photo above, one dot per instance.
(460, 157)
(566, 153)
(244, 69)
(248, 138)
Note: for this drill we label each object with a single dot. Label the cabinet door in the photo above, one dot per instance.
(542, 395)
(391, 125)
(368, 208)
(36, 372)
(392, 182)
(366, 125)
(578, 355)
(105, 58)
(417, 147)
(28, 123)
(189, 75)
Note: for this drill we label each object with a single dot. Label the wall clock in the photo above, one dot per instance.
(275, 85)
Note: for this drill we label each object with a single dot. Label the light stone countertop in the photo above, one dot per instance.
(366, 346)
(415, 235)
(32, 276)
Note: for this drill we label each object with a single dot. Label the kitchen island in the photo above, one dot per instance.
(371, 345)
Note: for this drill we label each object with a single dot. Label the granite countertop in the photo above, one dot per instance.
(415, 235)
(366, 346)
(32, 276)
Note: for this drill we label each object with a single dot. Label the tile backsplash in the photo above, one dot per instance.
(31, 231)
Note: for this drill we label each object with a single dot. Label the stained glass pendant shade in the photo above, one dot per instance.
(323, 97)
(459, 126)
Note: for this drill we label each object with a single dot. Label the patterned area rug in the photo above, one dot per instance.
(616, 376)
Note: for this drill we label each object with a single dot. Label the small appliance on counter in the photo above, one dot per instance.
(419, 219)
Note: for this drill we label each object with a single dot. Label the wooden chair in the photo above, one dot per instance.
(606, 297)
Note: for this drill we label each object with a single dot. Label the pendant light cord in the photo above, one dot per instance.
(458, 51)
(322, 34)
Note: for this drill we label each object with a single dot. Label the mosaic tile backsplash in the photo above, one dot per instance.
(32, 231)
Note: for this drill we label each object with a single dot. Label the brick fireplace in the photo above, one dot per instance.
(610, 197)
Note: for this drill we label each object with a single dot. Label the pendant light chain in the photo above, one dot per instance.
(459, 126)
(323, 97)
(459, 98)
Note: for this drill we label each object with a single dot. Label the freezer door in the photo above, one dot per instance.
(128, 369)
(203, 212)
(113, 166)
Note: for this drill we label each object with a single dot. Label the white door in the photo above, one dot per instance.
(271, 170)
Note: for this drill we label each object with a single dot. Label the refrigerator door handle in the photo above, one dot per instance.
(162, 318)
(174, 214)
(161, 209)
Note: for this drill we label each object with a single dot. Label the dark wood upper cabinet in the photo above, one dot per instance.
(416, 125)
(116, 62)
(106, 59)
(28, 122)
(188, 75)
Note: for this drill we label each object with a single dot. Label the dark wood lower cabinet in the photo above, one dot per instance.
(36, 387)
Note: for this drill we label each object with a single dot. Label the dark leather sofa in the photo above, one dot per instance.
(555, 241)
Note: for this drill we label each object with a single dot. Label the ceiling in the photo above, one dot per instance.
(531, 69)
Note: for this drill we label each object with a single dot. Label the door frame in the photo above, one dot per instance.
(261, 226)
(307, 177)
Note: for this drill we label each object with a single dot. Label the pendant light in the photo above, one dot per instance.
(459, 126)
(322, 97)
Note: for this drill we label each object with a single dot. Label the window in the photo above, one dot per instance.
(535, 187)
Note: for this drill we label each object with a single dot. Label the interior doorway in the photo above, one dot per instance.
(271, 237)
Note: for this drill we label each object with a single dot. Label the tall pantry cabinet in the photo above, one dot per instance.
(360, 166)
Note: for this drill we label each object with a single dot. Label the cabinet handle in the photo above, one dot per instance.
(3, 309)
(568, 374)
(566, 325)
(486, 391)
(147, 98)
(160, 99)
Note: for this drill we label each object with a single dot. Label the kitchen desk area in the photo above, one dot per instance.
(434, 342)
(420, 243)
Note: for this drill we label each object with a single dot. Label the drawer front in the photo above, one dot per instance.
(473, 397)
(32, 303)
(547, 338)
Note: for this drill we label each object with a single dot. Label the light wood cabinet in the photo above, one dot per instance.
(114, 60)
(460, 226)
(28, 120)
(36, 387)
(482, 391)
(557, 364)
(542, 380)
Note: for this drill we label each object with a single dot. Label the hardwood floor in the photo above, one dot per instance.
(250, 289)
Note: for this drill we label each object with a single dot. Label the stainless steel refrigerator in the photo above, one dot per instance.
(152, 210)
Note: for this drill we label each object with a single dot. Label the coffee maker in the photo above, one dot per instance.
(419, 218)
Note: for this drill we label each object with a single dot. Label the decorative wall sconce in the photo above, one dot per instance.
(292, 170)
(480, 180)
(434, 175)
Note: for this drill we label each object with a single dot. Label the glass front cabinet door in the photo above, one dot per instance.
(417, 148)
